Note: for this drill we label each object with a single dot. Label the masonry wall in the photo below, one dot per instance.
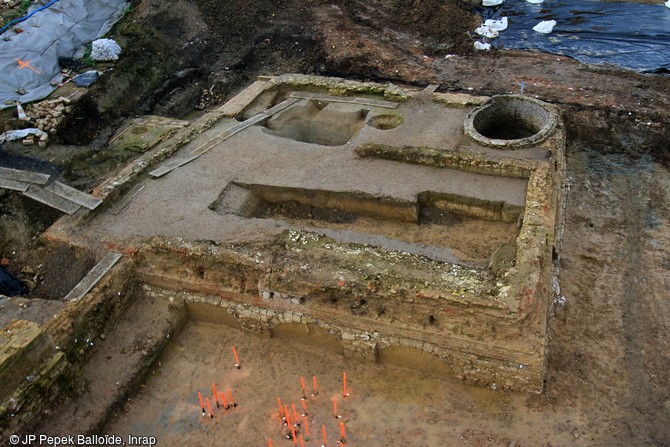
(477, 339)
(40, 365)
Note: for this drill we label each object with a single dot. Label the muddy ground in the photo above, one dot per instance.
(610, 335)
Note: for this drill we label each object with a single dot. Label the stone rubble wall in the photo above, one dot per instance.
(484, 368)
(479, 344)
(32, 373)
(40, 365)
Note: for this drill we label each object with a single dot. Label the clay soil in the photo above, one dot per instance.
(607, 377)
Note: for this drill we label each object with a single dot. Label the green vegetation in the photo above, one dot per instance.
(87, 61)
(18, 11)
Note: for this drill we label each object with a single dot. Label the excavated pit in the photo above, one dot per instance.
(401, 222)
(318, 122)
(433, 219)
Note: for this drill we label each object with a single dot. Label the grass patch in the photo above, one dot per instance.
(17, 12)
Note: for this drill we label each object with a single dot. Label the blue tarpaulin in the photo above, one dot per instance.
(631, 35)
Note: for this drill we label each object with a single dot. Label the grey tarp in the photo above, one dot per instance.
(57, 31)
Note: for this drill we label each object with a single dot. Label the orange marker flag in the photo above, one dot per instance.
(216, 395)
(344, 389)
(202, 404)
(304, 407)
(335, 408)
(302, 385)
(295, 414)
(209, 408)
(281, 409)
(287, 415)
(306, 427)
(26, 64)
(223, 399)
(295, 438)
(269, 442)
(342, 431)
(302, 441)
(237, 359)
(315, 390)
(323, 431)
(230, 398)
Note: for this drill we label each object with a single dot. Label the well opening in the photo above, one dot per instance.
(511, 121)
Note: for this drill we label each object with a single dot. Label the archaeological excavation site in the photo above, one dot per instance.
(422, 236)
(334, 223)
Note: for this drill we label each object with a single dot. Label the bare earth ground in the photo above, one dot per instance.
(610, 341)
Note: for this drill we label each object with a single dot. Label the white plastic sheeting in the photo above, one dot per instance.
(12, 135)
(498, 25)
(29, 60)
(105, 50)
(545, 26)
(486, 31)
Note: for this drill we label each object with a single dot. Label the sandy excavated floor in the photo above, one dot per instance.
(386, 406)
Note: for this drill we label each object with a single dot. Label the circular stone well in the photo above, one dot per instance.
(511, 121)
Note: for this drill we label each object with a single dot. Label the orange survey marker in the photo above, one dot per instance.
(304, 407)
(337, 416)
(230, 398)
(269, 442)
(306, 428)
(342, 436)
(344, 388)
(287, 415)
(216, 395)
(295, 414)
(323, 431)
(295, 438)
(209, 408)
(315, 391)
(302, 385)
(302, 442)
(281, 409)
(237, 360)
(223, 399)
(26, 64)
(202, 404)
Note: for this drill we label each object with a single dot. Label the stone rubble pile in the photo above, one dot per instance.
(47, 117)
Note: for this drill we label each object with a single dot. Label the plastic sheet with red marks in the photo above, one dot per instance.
(29, 51)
